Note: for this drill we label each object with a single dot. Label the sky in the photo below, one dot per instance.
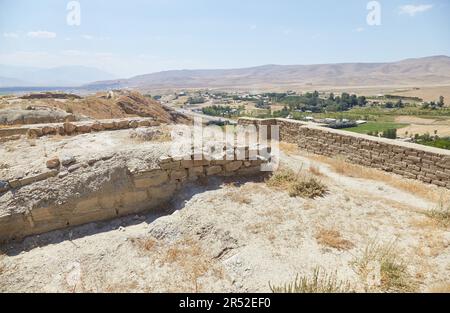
(132, 37)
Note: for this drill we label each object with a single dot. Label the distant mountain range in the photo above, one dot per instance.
(422, 71)
(17, 76)
(433, 70)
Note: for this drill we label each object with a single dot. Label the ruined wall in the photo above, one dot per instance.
(74, 128)
(122, 192)
(430, 165)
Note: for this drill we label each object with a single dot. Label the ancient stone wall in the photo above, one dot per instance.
(427, 164)
(122, 193)
(74, 128)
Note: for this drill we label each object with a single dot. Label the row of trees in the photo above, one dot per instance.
(224, 111)
(434, 105)
(314, 103)
(390, 133)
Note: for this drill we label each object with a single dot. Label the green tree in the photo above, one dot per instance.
(399, 104)
(441, 102)
(390, 133)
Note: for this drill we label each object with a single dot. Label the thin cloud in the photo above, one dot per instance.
(360, 29)
(42, 34)
(87, 37)
(73, 53)
(412, 10)
(11, 35)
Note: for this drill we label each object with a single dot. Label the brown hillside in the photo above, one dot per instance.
(102, 105)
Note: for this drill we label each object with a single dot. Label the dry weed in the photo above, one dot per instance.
(418, 188)
(188, 256)
(393, 274)
(315, 170)
(333, 238)
(319, 282)
(441, 213)
(239, 197)
(148, 244)
(297, 184)
(288, 148)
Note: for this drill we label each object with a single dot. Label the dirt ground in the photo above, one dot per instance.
(422, 126)
(228, 236)
(427, 93)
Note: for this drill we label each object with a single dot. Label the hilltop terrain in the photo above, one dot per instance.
(422, 71)
(59, 107)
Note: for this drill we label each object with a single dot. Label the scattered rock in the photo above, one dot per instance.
(68, 160)
(107, 156)
(97, 126)
(69, 128)
(63, 174)
(146, 134)
(53, 163)
(4, 186)
(73, 168)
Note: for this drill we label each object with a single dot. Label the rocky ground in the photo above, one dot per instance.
(56, 107)
(240, 235)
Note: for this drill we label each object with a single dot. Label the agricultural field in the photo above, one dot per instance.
(375, 127)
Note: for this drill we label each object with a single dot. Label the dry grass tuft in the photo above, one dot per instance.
(148, 244)
(418, 188)
(186, 255)
(319, 282)
(288, 148)
(297, 184)
(315, 170)
(441, 214)
(161, 134)
(189, 257)
(333, 238)
(307, 187)
(282, 178)
(239, 197)
(383, 262)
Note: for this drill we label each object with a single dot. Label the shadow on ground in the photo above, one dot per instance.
(178, 202)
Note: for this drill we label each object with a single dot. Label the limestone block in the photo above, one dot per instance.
(108, 125)
(85, 206)
(170, 166)
(439, 183)
(131, 198)
(69, 128)
(97, 126)
(34, 133)
(179, 175)
(48, 130)
(83, 128)
(150, 179)
(163, 192)
(213, 170)
(233, 166)
(196, 172)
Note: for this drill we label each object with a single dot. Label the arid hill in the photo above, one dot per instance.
(35, 108)
(422, 71)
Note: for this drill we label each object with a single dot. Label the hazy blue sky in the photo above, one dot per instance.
(136, 36)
